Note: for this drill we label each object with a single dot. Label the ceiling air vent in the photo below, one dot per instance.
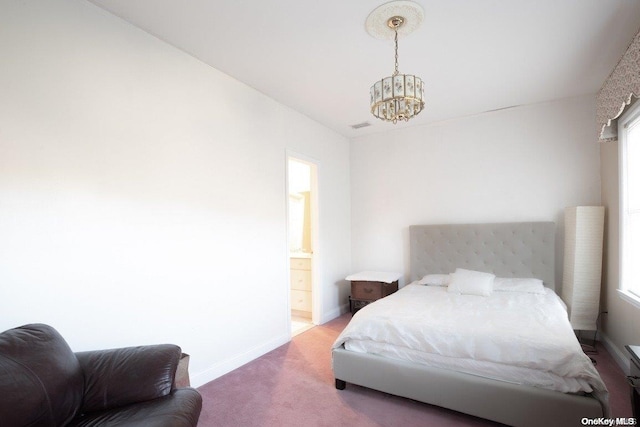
(360, 125)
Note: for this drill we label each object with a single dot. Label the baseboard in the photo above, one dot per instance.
(618, 355)
(336, 312)
(226, 366)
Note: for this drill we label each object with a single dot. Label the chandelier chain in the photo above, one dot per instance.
(396, 72)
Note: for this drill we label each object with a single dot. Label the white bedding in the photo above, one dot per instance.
(517, 337)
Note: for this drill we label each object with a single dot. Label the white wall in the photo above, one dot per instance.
(522, 164)
(142, 193)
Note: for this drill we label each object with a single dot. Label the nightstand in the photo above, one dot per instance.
(370, 286)
(634, 378)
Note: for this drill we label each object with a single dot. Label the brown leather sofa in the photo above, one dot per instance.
(44, 383)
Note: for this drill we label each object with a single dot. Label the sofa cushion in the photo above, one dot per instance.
(180, 408)
(40, 378)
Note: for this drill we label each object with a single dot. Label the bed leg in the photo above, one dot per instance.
(340, 385)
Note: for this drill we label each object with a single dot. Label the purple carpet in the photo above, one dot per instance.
(294, 386)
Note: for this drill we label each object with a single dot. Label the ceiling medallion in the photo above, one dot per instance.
(399, 96)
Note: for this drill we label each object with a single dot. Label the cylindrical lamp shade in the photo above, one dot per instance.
(398, 97)
(581, 276)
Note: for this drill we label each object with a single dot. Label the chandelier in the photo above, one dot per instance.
(399, 96)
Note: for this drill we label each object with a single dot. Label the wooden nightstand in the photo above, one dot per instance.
(370, 286)
(634, 378)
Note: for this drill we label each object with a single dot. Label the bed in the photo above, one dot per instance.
(508, 250)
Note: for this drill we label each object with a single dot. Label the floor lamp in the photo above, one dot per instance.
(581, 277)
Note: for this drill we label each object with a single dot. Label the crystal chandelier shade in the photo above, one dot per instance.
(398, 97)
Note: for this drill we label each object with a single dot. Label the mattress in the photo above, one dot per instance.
(517, 337)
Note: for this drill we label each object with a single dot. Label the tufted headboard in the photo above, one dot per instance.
(523, 249)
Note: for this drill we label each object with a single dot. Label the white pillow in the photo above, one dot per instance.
(435, 280)
(514, 284)
(469, 282)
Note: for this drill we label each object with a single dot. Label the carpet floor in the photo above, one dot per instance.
(293, 386)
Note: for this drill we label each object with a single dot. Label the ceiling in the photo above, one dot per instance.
(474, 55)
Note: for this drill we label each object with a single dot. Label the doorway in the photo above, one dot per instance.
(302, 233)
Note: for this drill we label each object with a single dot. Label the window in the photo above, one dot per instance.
(629, 162)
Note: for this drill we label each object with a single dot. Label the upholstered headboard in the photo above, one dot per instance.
(523, 249)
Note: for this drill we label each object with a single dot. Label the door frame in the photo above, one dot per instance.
(316, 260)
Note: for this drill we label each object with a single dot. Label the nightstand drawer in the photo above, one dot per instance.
(301, 280)
(300, 263)
(366, 290)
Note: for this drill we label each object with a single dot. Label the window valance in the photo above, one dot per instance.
(618, 91)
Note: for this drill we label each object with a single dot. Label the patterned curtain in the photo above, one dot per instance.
(618, 91)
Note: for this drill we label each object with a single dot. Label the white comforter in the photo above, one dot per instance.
(517, 337)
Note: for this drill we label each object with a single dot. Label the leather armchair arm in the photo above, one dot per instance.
(122, 376)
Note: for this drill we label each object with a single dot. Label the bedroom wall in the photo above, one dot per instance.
(520, 164)
(142, 193)
(620, 324)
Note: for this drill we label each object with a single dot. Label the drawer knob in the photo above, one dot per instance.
(368, 290)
